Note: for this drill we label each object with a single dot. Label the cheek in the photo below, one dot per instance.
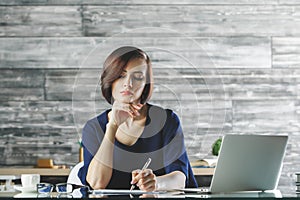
(140, 88)
(114, 88)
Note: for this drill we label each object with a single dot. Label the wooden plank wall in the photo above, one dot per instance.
(224, 66)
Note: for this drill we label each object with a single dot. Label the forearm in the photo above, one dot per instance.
(100, 168)
(173, 180)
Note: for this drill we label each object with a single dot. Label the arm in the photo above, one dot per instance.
(173, 180)
(176, 158)
(100, 168)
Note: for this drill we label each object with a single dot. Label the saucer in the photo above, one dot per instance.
(26, 195)
(25, 189)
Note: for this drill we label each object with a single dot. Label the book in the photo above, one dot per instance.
(207, 162)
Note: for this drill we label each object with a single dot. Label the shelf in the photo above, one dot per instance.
(65, 172)
(41, 171)
(203, 171)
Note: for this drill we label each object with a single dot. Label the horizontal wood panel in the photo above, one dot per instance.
(40, 21)
(20, 78)
(128, 2)
(21, 94)
(220, 84)
(44, 52)
(275, 115)
(191, 20)
(239, 86)
(286, 52)
(61, 114)
(219, 52)
(167, 92)
(24, 144)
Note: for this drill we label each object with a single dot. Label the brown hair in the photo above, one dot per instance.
(114, 66)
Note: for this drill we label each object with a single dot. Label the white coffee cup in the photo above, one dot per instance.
(30, 180)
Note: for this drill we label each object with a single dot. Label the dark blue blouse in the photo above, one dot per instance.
(162, 140)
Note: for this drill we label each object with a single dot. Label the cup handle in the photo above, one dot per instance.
(34, 179)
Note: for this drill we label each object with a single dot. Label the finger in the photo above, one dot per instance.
(126, 108)
(134, 110)
(134, 175)
(148, 196)
(140, 105)
(131, 114)
(147, 186)
(136, 179)
(145, 178)
(147, 172)
(141, 175)
(136, 171)
(130, 110)
(137, 106)
(151, 187)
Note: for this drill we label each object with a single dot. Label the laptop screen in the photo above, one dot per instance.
(249, 163)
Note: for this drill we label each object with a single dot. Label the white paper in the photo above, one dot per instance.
(119, 192)
(195, 190)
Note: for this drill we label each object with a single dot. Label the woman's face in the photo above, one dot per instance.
(129, 86)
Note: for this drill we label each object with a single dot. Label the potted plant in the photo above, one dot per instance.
(216, 147)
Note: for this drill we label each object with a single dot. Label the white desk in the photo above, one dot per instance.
(47, 174)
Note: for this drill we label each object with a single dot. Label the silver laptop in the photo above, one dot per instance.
(249, 163)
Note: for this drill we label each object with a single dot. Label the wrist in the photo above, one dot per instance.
(112, 124)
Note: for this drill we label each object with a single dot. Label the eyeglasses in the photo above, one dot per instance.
(61, 188)
(48, 187)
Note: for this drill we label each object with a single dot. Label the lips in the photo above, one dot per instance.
(126, 92)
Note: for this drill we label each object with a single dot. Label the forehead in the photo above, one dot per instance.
(136, 65)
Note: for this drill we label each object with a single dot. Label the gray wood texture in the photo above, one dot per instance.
(223, 66)
(40, 21)
(192, 20)
(90, 52)
(151, 2)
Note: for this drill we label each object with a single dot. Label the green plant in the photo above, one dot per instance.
(216, 147)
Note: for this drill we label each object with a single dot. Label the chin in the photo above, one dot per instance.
(126, 100)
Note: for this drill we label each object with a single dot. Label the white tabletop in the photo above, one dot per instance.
(9, 177)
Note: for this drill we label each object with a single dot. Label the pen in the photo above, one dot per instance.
(144, 167)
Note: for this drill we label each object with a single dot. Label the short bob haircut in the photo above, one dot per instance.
(114, 65)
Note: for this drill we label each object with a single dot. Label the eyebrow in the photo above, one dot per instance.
(133, 72)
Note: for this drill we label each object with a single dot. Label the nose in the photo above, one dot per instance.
(128, 82)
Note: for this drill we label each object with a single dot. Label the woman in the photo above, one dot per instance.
(121, 139)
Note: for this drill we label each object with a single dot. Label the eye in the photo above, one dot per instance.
(138, 76)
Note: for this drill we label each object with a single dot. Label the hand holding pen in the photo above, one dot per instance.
(144, 178)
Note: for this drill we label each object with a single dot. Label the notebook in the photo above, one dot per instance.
(247, 163)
